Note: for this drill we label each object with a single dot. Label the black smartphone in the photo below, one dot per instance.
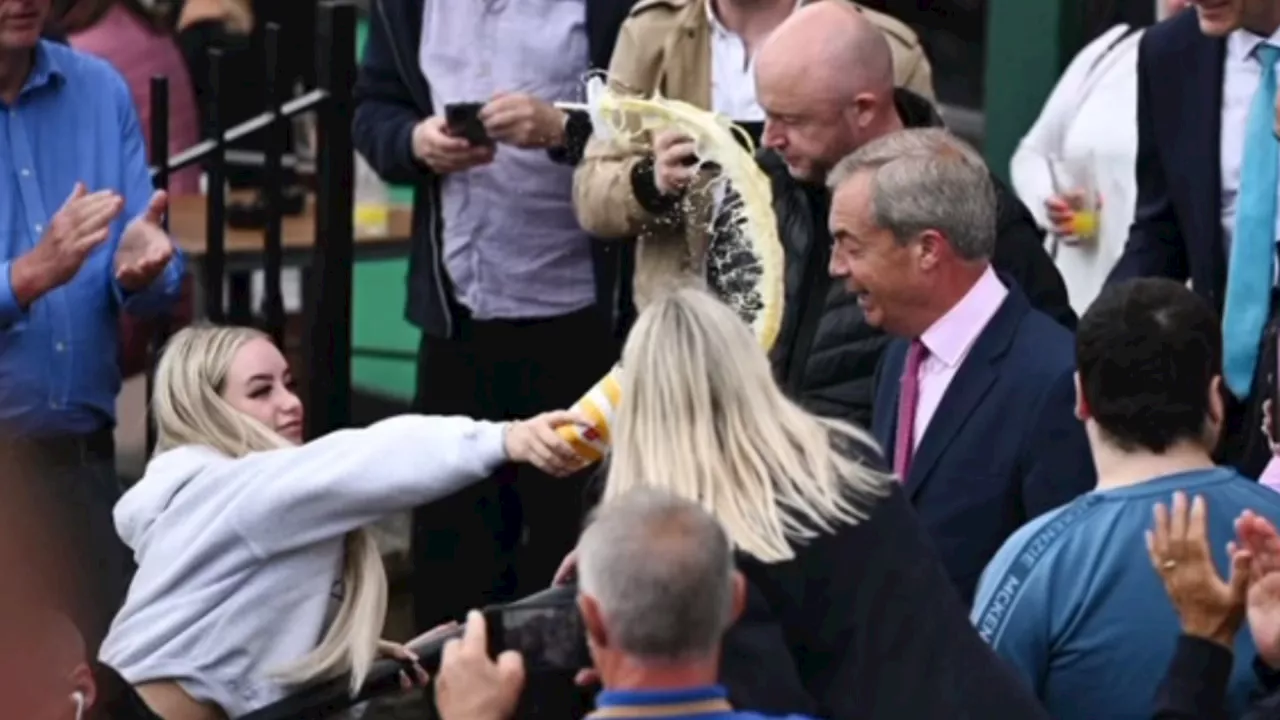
(463, 120)
(548, 635)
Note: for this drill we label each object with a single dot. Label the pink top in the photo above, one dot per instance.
(139, 54)
(949, 340)
(1271, 475)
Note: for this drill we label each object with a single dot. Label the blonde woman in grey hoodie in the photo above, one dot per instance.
(254, 572)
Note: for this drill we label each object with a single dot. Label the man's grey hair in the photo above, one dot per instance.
(927, 179)
(662, 571)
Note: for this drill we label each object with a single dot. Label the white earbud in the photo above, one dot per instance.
(77, 697)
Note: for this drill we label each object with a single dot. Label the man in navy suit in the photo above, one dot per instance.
(975, 398)
(1207, 188)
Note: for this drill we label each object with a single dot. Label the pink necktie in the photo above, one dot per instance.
(904, 445)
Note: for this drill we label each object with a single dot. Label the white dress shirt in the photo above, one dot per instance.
(1241, 74)
(733, 87)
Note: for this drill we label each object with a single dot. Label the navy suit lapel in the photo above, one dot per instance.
(1201, 109)
(970, 385)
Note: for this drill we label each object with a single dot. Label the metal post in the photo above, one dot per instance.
(215, 260)
(277, 138)
(160, 159)
(329, 317)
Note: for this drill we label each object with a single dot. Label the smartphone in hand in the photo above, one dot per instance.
(463, 120)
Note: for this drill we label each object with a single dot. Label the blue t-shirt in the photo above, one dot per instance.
(1072, 603)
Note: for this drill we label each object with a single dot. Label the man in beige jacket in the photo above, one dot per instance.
(699, 52)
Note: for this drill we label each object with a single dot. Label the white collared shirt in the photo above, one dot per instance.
(733, 87)
(1241, 75)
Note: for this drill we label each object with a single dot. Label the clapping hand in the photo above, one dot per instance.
(80, 225)
(145, 248)
(1178, 546)
(1258, 538)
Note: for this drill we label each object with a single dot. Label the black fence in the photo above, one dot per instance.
(327, 288)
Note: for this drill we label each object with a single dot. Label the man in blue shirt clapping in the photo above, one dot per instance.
(1070, 600)
(80, 242)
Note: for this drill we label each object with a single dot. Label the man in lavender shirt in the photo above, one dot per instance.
(515, 301)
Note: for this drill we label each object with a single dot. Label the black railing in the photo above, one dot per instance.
(328, 307)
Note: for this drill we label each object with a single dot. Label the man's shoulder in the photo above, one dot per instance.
(897, 32)
(1033, 546)
(82, 67)
(1039, 343)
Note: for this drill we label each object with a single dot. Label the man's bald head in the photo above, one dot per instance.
(825, 81)
(831, 48)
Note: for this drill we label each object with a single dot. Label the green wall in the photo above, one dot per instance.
(1029, 44)
(378, 316)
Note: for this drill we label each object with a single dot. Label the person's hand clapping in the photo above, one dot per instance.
(674, 161)
(80, 225)
(1258, 537)
(470, 685)
(444, 153)
(535, 441)
(145, 249)
(1178, 546)
(523, 121)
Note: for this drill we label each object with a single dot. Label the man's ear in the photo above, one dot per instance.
(1082, 405)
(1217, 406)
(593, 621)
(83, 682)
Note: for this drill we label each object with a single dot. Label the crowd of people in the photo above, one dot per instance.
(997, 464)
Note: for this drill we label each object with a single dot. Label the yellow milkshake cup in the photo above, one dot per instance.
(597, 407)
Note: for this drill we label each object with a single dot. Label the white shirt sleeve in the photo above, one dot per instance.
(294, 497)
(1029, 168)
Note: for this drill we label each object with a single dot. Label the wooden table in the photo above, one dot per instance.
(244, 247)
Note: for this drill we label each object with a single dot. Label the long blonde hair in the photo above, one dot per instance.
(702, 418)
(189, 410)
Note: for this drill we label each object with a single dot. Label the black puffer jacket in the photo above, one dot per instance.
(826, 355)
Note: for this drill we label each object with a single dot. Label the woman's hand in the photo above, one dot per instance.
(1179, 549)
(1061, 211)
(535, 441)
(396, 651)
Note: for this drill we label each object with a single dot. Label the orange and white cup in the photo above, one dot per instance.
(597, 407)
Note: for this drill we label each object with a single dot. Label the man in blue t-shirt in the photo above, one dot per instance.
(1070, 600)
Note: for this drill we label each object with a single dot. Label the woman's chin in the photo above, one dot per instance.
(292, 433)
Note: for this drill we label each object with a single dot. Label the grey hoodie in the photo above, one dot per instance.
(238, 559)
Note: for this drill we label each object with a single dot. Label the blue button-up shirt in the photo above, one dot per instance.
(74, 121)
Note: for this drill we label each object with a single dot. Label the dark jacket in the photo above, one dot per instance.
(826, 354)
(1195, 686)
(862, 624)
(1004, 445)
(391, 98)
